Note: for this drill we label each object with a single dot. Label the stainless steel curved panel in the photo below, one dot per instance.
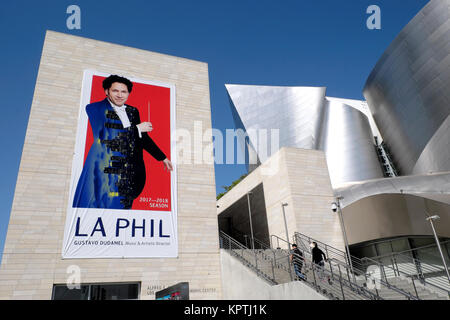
(347, 140)
(362, 106)
(408, 91)
(434, 186)
(307, 119)
(294, 111)
(436, 155)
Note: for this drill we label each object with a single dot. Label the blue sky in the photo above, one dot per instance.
(286, 42)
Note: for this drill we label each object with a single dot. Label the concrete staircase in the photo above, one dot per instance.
(279, 273)
(424, 292)
(273, 265)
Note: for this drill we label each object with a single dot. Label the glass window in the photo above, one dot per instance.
(120, 291)
(427, 252)
(400, 245)
(114, 292)
(421, 242)
(383, 248)
(62, 292)
(363, 251)
(446, 250)
(431, 256)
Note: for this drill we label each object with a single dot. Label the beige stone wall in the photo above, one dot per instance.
(32, 261)
(312, 195)
(300, 178)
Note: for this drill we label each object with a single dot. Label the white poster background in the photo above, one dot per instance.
(161, 236)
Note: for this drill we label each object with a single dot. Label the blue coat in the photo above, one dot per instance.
(114, 172)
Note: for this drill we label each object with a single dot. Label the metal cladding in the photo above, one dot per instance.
(307, 119)
(408, 92)
(347, 140)
(296, 110)
(432, 186)
(408, 110)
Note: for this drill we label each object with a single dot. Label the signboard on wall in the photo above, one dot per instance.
(122, 199)
(180, 291)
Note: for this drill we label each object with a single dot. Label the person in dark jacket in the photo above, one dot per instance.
(296, 259)
(319, 258)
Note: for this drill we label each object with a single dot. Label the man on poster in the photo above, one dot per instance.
(114, 172)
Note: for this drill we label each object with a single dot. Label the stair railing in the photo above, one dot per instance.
(248, 256)
(348, 289)
(392, 265)
(414, 269)
(330, 251)
(359, 265)
(274, 266)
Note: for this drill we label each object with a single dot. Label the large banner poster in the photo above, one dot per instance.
(122, 201)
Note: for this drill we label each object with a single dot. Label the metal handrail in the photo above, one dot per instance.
(348, 283)
(362, 289)
(418, 274)
(386, 284)
(351, 287)
(256, 240)
(274, 262)
(427, 267)
(446, 242)
(416, 268)
(413, 250)
(329, 250)
(262, 244)
(242, 248)
(269, 263)
(359, 266)
(278, 241)
(383, 267)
